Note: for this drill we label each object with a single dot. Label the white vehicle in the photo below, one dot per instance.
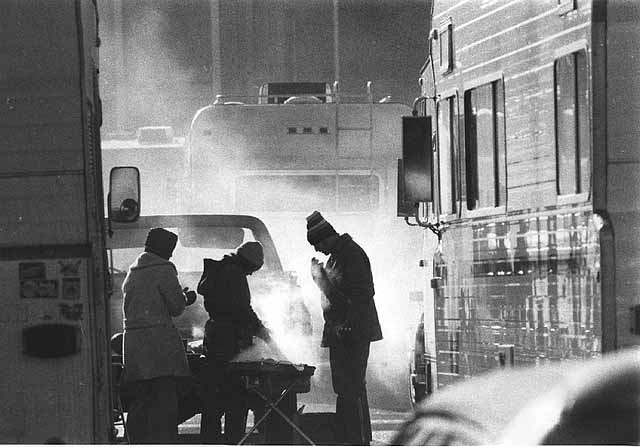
(533, 191)
(276, 296)
(299, 147)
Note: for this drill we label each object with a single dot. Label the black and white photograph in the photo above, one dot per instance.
(320, 222)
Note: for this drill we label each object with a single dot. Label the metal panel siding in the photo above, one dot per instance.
(354, 144)
(44, 212)
(40, 147)
(531, 196)
(354, 116)
(518, 39)
(46, 192)
(531, 282)
(623, 157)
(257, 138)
(528, 281)
(623, 86)
(40, 136)
(40, 85)
(45, 398)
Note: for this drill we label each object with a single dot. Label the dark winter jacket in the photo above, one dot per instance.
(348, 306)
(228, 303)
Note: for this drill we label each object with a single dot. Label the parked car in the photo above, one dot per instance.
(276, 295)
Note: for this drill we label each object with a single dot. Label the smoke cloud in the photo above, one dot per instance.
(164, 76)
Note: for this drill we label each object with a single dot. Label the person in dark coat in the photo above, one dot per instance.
(230, 329)
(351, 323)
(153, 354)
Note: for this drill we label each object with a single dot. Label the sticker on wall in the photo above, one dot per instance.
(32, 270)
(71, 311)
(71, 288)
(69, 268)
(39, 288)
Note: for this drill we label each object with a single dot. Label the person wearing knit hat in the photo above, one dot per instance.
(153, 355)
(350, 323)
(318, 228)
(161, 242)
(252, 252)
(231, 327)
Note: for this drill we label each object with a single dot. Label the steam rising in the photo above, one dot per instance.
(396, 276)
(161, 86)
(156, 63)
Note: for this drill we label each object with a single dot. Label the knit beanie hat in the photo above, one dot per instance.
(318, 229)
(161, 242)
(252, 252)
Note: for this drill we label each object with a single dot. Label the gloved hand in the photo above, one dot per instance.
(342, 330)
(317, 268)
(191, 296)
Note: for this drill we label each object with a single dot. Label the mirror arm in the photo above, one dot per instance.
(406, 219)
(109, 227)
(435, 228)
(414, 112)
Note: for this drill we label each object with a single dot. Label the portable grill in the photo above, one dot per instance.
(273, 377)
(274, 382)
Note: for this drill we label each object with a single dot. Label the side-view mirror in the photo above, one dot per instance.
(415, 171)
(124, 194)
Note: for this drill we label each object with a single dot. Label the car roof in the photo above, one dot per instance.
(257, 227)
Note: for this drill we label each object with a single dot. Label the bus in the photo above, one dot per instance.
(300, 147)
(54, 326)
(527, 153)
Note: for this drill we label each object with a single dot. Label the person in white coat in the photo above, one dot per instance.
(154, 356)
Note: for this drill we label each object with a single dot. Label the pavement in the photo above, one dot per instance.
(384, 423)
(388, 413)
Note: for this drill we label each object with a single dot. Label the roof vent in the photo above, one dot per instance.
(155, 135)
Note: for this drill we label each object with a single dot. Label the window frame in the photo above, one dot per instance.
(453, 97)
(500, 153)
(566, 6)
(581, 196)
(445, 32)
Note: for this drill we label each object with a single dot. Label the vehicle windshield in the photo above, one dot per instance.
(185, 258)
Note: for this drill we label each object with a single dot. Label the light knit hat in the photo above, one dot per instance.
(252, 252)
(318, 228)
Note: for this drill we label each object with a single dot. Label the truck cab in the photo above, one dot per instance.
(276, 295)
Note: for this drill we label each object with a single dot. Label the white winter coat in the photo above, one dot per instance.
(152, 296)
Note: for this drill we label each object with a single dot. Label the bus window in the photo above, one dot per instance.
(285, 192)
(447, 154)
(446, 47)
(358, 192)
(299, 192)
(485, 145)
(572, 126)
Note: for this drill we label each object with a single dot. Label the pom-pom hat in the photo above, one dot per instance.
(318, 228)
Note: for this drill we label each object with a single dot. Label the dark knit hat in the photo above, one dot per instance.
(318, 228)
(161, 242)
(252, 252)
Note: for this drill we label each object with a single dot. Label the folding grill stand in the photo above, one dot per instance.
(274, 407)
